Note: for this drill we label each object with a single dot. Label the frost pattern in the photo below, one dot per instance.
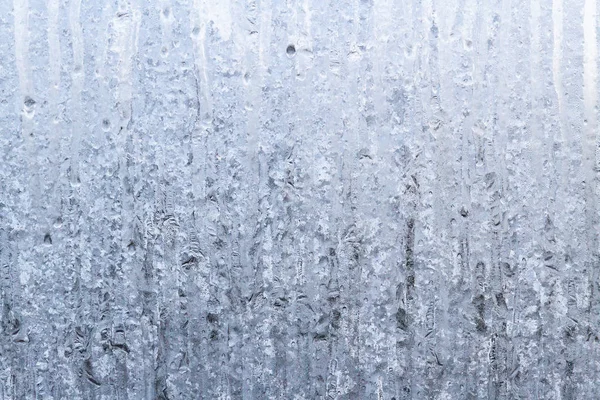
(299, 199)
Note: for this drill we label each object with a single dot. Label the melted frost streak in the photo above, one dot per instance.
(296, 200)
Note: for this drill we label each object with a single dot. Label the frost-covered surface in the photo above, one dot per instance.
(299, 199)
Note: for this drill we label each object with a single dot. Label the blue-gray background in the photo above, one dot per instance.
(308, 199)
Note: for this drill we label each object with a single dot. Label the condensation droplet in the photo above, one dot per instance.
(291, 50)
(29, 106)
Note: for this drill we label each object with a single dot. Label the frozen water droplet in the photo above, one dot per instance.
(468, 44)
(105, 124)
(29, 106)
(58, 223)
(29, 102)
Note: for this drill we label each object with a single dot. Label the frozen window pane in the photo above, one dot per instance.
(300, 199)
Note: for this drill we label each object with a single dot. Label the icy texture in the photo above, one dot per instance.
(299, 199)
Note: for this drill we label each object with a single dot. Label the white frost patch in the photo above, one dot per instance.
(218, 12)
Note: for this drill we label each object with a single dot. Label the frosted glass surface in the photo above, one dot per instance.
(299, 199)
